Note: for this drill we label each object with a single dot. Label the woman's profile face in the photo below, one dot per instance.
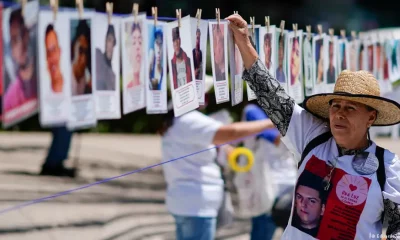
(136, 50)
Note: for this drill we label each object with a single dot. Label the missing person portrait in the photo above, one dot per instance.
(81, 59)
(295, 62)
(280, 72)
(378, 55)
(319, 58)
(371, 58)
(181, 70)
(198, 57)
(361, 57)
(385, 62)
(268, 50)
(219, 51)
(23, 88)
(343, 63)
(53, 55)
(331, 78)
(105, 76)
(135, 53)
(353, 57)
(156, 57)
(310, 202)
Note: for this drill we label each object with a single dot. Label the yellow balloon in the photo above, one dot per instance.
(241, 151)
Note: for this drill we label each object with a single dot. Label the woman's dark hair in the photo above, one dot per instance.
(111, 32)
(83, 29)
(136, 26)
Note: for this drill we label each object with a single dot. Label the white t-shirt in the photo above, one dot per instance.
(194, 183)
(181, 73)
(354, 204)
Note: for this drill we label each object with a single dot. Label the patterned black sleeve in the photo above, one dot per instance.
(392, 213)
(270, 95)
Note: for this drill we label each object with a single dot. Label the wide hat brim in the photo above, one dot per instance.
(388, 110)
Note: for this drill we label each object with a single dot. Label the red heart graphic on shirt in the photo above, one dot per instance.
(352, 187)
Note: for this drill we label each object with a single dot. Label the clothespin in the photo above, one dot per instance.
(23, 4)
(79, 4)
(267, 23)
(331, 32)
(319, 27)
(235, 12)
(217, 15)
(135, 11)
(282, 27)
(154, 12)
(54, 6)
(198, 16)
(252, 24)
(308, 29)
(353, 35)
(109, 9)
(179, 16)
(295, 29)
(343, 33)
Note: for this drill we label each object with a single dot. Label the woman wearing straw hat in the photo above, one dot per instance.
(359, 181)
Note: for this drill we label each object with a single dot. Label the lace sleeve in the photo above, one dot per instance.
(392, 213)
(270, 95)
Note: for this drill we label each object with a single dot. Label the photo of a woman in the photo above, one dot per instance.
(135, 53)
(295, 62)
(319, 60)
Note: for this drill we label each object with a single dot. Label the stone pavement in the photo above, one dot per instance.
(131, 207)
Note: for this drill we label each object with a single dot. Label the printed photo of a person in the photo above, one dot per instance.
(198, 57)
(386, 58)
(135, 53)
(219, 51)
(361, 57)
(353, 57)
(378, 55)
(319, 60)
(23, 87)
(181, 70)
(394, 57)
(342, 51)
(280, 71)
(156, 54)
(268, 50)
(310, 202)
(370, 58)
(331, 72)
(53, 55)
(295, 62)
(81, 57)
(105, 75)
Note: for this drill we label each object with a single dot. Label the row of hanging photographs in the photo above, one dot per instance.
(65, 64)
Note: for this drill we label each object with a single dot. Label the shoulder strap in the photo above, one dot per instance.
(380, 173)
(314, 143)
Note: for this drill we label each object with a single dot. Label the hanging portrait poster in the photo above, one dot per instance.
(134, 39)
(318, 63)
(281, 58)
(54, 68)
(295, 74)
(343, 55)
(381, 65)
(1, 62)
(236, 70)
(386, 59)
(107, 65)
(267, 48)
(199, 34)
(20, 93)
(308, 64)
(369, 59)
(219, 59)
(254, 35)
(156, 68)
(83, 111)
(354, 53)
(330, 63)
(181, 69)
(363, 56)
(394, 66)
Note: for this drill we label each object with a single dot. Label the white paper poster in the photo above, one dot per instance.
(281, 58)
(267, 49)
(156, 68)
(199, 43)
(181, 69)
(236, 69)
(295, 74)
(343, 55)
(330, 63)
(54, 68)
(308, 65)
(394, 66)
(134, 40)
(318, 64)
(107, 66)
(219, 59)
(354, 55)
(255, 39)
(82, 112)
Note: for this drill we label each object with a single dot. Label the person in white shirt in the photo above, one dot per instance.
(361, 181)
(194, 183)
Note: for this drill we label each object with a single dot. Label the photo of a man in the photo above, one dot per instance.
(81, 57)
(280, 71)
(156, 54)
(331, 73)
(319, 60)
(105, 76)
(310, 202)
(219, 51)
(198, 57)
(53, 55)
(181, 71)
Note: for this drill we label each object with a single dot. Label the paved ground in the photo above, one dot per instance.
(131, 207)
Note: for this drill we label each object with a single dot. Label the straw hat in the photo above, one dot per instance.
(362, 87)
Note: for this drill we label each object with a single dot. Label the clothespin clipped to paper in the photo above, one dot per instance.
(343, 33)
(54, 6)
(109, 9)
(295, 29)
(79, 4)
(319, 27)
(282, 27)
(353, 35)
(198, 16)
(179, 16)
(267, 23)
(235, 12)
(331, 32)
(217, 15)
(252, 25)
(308, 29)
(154, 12)
(23, 4)
(135, 11)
